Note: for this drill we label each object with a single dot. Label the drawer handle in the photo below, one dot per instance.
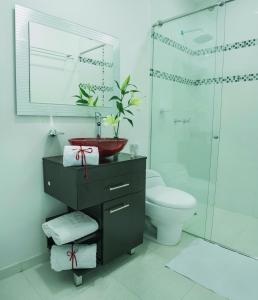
(119, 187)
(112, 211)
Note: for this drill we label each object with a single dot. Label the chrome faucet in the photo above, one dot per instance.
(183, 121)
(98, 118)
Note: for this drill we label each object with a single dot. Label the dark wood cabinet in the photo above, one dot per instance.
(109, 180)
(113, 193)
(123, 225)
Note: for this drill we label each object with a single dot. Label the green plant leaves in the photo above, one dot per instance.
(120, 107)
(86, 95)
(115, 98)
(118, 85)
(134, 102)
(129, 120)
(96, 101)
(82, 102)
(125, 84)
(84, 92)
(124, 101)
(130, 112)
(132, 85)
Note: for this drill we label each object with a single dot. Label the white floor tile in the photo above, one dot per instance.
(105, 289)
(50, 285)
(16, 287)
(147, 277)
(167, 285)
(236, 231)
(137, 277)
(201, 293)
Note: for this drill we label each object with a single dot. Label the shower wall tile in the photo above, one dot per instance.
(178, 62)
(241, 62)
(241, 20)
(237, 172)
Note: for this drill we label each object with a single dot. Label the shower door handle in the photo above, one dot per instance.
(215, 137)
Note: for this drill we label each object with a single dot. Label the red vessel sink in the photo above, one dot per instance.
(107, 146)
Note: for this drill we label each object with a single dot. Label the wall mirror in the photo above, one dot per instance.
(62, 68)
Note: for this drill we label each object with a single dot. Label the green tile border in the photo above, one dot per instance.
(95, 62)
(101, 88)
(216, 49)
(172, 77)
(206, 81)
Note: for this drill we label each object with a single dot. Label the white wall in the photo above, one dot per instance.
(24, 140)
(168, 8)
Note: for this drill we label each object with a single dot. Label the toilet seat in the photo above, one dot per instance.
(170, 197)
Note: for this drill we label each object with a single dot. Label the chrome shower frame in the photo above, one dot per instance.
(162, 22)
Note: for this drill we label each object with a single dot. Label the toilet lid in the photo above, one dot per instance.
(170, 197)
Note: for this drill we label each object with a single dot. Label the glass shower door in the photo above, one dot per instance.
(235, 220)
(183, 105)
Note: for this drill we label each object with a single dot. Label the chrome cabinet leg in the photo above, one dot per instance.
(77, 279)
(131, 252)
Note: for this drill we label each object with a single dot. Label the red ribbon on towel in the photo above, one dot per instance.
(73, 258)
(81, 154)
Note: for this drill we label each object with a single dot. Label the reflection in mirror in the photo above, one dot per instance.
(69, 69)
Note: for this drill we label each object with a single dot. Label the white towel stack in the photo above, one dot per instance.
(74, 156)
(69, 227)
(62, 257)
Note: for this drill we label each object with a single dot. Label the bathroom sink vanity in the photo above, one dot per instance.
(113, 193)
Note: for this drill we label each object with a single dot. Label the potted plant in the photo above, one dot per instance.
(124, 102)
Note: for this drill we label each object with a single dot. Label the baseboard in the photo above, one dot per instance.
(24, 265)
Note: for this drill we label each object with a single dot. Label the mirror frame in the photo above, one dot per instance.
(23, 16)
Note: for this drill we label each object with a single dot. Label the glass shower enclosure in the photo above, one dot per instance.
(204, 136)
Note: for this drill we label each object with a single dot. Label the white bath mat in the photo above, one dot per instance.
(227, 273)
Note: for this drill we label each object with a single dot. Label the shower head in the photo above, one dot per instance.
(203, 38)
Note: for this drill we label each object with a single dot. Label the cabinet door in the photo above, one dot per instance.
(123, 225)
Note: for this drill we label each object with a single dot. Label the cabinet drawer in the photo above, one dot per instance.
(108, 170)
(123, 225)
(99, 191)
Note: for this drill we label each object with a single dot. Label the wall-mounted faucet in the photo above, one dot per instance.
(53, 132)
(98, 118)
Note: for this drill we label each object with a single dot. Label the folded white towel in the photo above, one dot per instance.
(69, 227)
(75, 155)
(77, 256)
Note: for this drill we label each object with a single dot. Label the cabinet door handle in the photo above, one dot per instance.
(112, 211)
(118, 187)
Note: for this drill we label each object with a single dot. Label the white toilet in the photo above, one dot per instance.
(167, 209)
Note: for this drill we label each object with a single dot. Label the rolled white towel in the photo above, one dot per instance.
(69, 227)
(74, 155)
(75, 256)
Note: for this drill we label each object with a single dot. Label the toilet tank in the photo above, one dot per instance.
(153, 178)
